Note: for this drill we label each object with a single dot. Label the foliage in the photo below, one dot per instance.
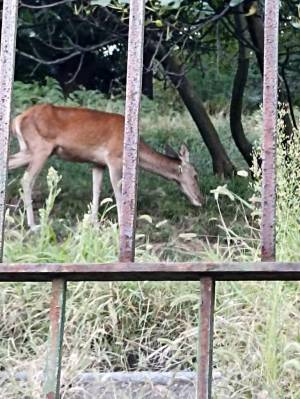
(26, 94)
(153, 326)
(189, 38)
(57, 242)
(288, 191)
(213, 80)
(91, 47)
(172, 125)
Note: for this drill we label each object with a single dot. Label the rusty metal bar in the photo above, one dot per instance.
(57, 318)
(7, 66)
(270, 95)
(206, 330)
(131, 133)
(255, 271)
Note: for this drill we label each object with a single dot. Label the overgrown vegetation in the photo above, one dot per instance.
(172, 126)
(142, 326)
(202, 60)
(211, 53)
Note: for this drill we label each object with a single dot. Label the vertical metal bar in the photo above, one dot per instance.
(57, 318)
(7, 67)
(131, 134)
(270, 94)
(206, 331)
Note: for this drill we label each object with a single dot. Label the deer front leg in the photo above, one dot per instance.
(115, 173)
(97, 183)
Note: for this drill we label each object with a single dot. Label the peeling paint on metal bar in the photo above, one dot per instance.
(126, 270)
(206, 323)
(270, 97)
(57, 318)
(7, 67)
(161, 271)
(131, 134)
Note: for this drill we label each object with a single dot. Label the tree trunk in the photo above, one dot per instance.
(148, 74)
(239, 83)
(256, 30)
(222, 164)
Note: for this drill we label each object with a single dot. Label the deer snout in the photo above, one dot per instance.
(197, 202)
(193, 194)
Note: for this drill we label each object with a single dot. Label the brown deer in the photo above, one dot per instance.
(84, 135)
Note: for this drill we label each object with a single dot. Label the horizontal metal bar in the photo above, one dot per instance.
(150, 271)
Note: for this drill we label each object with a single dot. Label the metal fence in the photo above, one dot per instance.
(126, 269)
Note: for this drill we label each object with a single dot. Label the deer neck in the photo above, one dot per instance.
(157, 163)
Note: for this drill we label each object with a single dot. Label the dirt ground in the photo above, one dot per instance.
(117, 385)
(135, 386)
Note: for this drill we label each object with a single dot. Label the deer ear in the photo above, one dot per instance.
(184, 154)
(170, 152)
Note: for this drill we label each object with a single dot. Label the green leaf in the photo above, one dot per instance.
(148, 218)
(187, 236)
(295, 22)
(102, 3)
(234, 3)
(184, 298)
(242, 173)
(158, 23)
(171, 3)
(162, 223)
(105, 201)
(222, 190)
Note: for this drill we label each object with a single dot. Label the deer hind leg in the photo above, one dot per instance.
(23, 157)
(19, 159)
(115, 173)
(28, 180)
(97, 183)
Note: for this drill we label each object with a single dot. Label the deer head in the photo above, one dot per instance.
(187, 177)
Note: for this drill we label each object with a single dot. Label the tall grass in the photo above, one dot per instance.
(142, 326)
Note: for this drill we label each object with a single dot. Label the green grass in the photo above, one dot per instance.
(153, 326)
(142, 326)
(157, 197)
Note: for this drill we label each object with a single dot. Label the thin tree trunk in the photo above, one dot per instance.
(222, 164)
(239, 83)
(148, 74)
(256, 30)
